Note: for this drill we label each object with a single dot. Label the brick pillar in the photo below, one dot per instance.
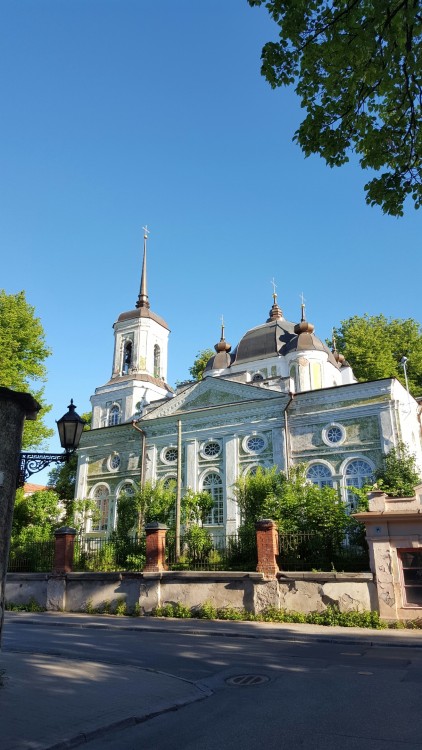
(155, 547)
(267, 547)
(63, 549)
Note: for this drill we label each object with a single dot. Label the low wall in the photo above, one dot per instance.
(302, 592)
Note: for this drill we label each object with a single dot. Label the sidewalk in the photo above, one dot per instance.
(228, 629)
(50, 702)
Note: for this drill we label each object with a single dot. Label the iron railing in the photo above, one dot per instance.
(113, 554)
(199, 550)
(31, 557)
(310, 551)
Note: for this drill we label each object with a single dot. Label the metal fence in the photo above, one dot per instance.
(112, 554)
(199, 550)
(318, 552)
(33, 557)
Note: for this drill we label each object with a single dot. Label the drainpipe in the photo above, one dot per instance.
(143, 454)
(287, 435)
(179, 487)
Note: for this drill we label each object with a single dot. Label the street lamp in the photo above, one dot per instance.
(70, 427)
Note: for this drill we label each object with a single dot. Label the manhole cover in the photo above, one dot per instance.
(247, 679)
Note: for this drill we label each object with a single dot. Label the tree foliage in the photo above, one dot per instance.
(23, 351)
(36, 516)
(200, 363)
(399, 475)
(374, 346)
(356, 65)
(157, 502)
(294, 503)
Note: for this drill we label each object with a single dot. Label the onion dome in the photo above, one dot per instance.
(305, 339)
(339, 358)
(222, 358)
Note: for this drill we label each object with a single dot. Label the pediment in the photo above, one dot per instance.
(212, 392)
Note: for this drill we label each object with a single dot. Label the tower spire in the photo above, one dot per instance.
(143, 300)
(275, 312)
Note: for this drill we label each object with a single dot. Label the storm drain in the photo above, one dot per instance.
(242, 680)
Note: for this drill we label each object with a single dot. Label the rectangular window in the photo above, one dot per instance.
(411, 562)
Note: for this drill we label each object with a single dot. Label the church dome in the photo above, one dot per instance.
(142, 312)
(267, 340)
(305, 340)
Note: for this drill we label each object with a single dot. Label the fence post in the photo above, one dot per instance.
(155, 547)
(63, 549)
(267, 547)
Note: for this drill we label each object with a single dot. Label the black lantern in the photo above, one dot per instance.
(70, 428)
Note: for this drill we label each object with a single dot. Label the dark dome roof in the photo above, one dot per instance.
(267, 340)
(142, 312)
(307, 341)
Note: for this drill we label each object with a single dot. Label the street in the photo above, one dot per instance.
(288, 693)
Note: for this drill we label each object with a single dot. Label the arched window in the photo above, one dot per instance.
(320, 474)
(358, 473)
(157, 361)
(127, 357)
(114, 416)
(127, 489)
(102, 502)
(213, 484)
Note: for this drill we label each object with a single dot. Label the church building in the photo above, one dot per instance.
(280, 397)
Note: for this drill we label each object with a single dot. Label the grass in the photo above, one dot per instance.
(331, 616)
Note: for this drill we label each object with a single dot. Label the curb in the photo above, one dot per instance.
(301, 637)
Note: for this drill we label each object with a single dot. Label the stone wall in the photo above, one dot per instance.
(302, 592)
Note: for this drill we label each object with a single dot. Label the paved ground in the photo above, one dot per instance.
(73, 678)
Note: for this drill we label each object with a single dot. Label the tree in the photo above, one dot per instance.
(152, 502)
(356, 67)
(399, 475)
(36, 516)
(295, 504)
(200, 363)
(374, 346)
(23, 351)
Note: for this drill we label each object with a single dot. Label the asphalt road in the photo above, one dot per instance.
(293, 695)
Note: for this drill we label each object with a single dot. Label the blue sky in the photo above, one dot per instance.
(119, 113)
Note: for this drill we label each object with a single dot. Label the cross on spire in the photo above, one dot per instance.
(274, 285)
(302, 298)
(143, 300)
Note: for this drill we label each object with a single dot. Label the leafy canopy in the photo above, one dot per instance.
(200, 363)
(36, 516)
(356, 65)
(374, 346)
(293, 503)
(399, 475)
(23, 351)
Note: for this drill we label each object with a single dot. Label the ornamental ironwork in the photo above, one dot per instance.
(31, 463)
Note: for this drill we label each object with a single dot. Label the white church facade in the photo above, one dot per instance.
(281, 397)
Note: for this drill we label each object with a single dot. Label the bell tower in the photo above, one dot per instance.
(139, 371)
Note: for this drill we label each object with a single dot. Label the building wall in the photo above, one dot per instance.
(370, 419)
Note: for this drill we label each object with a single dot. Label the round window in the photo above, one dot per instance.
(114, 462)
(170, 455)
(255, 444)
(212, 449)
(333, 434)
